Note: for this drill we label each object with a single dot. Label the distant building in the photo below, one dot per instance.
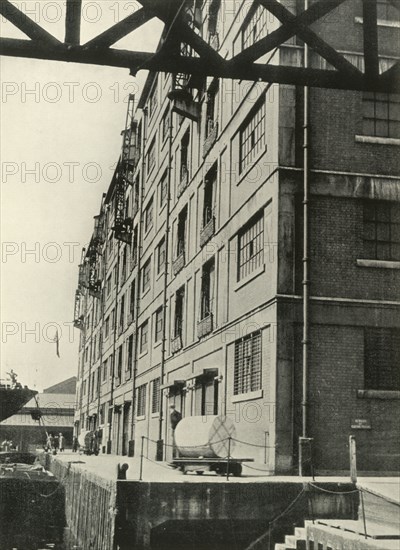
(193, 292)
(56, 405)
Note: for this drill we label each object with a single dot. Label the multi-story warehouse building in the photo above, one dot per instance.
(245, 260)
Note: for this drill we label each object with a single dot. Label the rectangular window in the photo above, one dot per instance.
(181, 232)
(158, 322)
(104, 371)
(111, 365)
(153, 100)
(144, 337)
(382, 359)
(179, 302)
(151, 156)
(381, 115)
(148, 216)
(185, 155)
(256, 28)
(155, 395)
(161, 256)
(108, 285)
(381, 230)
(132, 301)
(207, 289)
(247, 369)
(129, 355)
(146, 276)
(141, 400)
(122, 314)
(211, 110)
(209, 190)
(163, 188)
(165, 125)
(119, 363)
(387, 11)
(107, 327)
(252, 134)
(251, 246)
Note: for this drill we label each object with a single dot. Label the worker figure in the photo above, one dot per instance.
(13, 378)
(175, 417)
(61, 442)
(75, 444)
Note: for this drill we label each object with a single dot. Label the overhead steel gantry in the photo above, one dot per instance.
(208, 62)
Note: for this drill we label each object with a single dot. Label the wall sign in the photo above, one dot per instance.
(361, 424)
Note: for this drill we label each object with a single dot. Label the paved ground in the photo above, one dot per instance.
(106, 466)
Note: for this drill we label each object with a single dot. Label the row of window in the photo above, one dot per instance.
(381, 361)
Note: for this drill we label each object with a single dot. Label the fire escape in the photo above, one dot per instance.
(181, 95)
(79, 318)
(123, 224)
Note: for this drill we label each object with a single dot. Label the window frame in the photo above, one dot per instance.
(258, 218)
(252, 130)
(249, 380)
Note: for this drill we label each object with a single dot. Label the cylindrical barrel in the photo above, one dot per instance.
(205, 436)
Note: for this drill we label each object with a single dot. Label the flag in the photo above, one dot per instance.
(57, 341)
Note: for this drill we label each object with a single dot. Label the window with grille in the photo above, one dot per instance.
(251, 246)
(141, 400)
(151, 156)
(163, 185)
(256, 28)
(179, 300)
(381, 115)
(381, 358)
(252, 134)
(181, 232)
(144, 337)
(146, 276)
(247, 370)
(155, 395)
(386, 10)
(381, 230)
(161, 255)
(148, 216)
(158, 322)
(207, 289)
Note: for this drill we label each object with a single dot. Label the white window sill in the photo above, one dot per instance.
(158, 276)
(247, 396)
(142, 354)
(147, 231)
(157, 344)
(250, 277)
(378, 394)
(381, 22)
(143, 417)
(155, 415)
(386, 264)
(377, 140)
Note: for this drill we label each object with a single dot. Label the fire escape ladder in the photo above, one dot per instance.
(181, 95)
(123, 224)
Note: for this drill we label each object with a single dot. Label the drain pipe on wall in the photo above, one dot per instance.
(111, 422)
(306, 282)
(138, 279)
(160, 442)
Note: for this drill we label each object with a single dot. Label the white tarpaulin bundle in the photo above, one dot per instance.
(205, 436)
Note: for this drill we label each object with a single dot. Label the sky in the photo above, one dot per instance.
(60, 138)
